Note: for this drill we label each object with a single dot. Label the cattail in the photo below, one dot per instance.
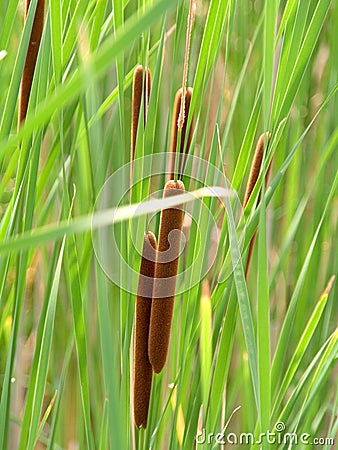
(142, 366)
(141, 86)
(165, 278)
(255, 167)
(32, 54)
(174, 129)
(253, 177)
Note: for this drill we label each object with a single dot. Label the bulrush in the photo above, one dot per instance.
(32, 54)
(142, 366)
(253, 177)
(141, 86)
(255, 167)
(165, 278)
(174, 129)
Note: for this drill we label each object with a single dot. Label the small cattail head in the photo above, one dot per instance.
(185, 142)
(253, 239)
(256, 166)
(31, 57)
(141, 87)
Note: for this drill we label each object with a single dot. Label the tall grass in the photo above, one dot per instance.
(245, 352)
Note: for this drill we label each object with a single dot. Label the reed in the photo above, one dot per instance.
(142, 366)
(31, 57)
(183, 145)
(141, 88)
(165, 278)
(253, 177)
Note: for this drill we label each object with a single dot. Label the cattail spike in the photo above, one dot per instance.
(256, 166)
(254, 173)
(31, 57)
(141, 86)
(142, 366)
(165, 278)
(174, 129)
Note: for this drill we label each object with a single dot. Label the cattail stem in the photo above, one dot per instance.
(174, 132)
(141, 87)
(31, 57)
(165, 279)
(253, 177)
(142, 366)
(182, 114)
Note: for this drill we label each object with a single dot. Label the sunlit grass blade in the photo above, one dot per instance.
(205, 340)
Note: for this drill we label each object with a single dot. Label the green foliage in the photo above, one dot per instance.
(266, 344)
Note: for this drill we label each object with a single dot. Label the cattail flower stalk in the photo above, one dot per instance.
(142, 366)
(165, 278)
(191, 17)
(31, 57)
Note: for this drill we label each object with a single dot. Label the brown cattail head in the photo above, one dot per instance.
(174, 129)
(142, 366)
(141, 87)
(32, 54)
(253, 239)
(256, 166)
(165, 278)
